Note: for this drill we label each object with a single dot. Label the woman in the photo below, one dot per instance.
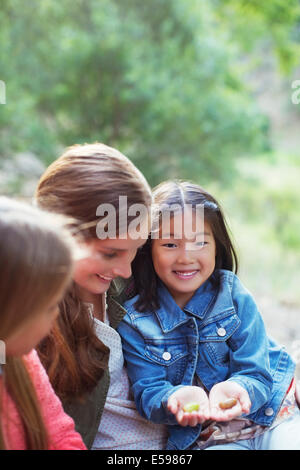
(83, 354)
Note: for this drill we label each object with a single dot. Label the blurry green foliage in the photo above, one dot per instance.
(164, 82)
(270, 197)
(262, 209)
(276, 22)
(158, 79)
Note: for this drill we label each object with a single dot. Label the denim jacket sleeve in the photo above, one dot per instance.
(249, 346)
(150, 387)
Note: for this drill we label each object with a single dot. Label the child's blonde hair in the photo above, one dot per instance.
(36, 259)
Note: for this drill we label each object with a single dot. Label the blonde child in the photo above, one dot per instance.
(36, 268)
(195, 345)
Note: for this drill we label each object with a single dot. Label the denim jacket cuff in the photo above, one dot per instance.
(246, 384)
(257, 396)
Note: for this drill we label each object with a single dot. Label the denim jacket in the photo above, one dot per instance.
(219, 335)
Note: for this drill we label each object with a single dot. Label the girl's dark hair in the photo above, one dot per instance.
(180, 193)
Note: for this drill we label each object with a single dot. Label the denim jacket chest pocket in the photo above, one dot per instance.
(214, 338)
(173, 354)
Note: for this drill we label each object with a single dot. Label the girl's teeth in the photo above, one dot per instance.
(186, 274)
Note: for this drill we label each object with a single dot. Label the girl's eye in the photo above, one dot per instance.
(169, 245)
(201, 244)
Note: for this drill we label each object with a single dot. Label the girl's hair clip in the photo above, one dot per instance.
(211, 205)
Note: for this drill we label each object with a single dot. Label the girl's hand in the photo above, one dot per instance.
(183, 397)
(224, 391)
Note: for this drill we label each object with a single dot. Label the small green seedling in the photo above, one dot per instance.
(189, 407)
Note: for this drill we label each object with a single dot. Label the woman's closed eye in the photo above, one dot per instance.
(109, 255)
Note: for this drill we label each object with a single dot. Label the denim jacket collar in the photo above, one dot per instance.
(200, 305)
(169, 313)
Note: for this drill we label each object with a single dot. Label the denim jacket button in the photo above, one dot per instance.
(166, 356)
(269, 411)
(221, 331)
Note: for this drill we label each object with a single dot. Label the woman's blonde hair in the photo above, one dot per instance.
(75, 184)
(36, 261)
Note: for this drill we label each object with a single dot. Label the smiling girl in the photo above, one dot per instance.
(197, 353)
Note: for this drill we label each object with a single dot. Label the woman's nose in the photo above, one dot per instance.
(123, 270)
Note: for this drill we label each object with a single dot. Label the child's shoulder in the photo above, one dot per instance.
(132, 313)
(225, 279)
(231, 283)
(129, 304)
(32, 360)
(224, 275)
(36, 370)
(229, 277)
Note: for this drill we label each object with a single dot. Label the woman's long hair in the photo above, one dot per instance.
(36, 264)
(180, 194)
(75, 184)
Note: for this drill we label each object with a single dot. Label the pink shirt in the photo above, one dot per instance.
(60, 426)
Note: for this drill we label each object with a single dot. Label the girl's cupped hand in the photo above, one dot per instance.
(212, 407)
(185, 396)
(224, 392)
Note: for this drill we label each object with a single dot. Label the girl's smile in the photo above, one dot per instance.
(186, 275)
